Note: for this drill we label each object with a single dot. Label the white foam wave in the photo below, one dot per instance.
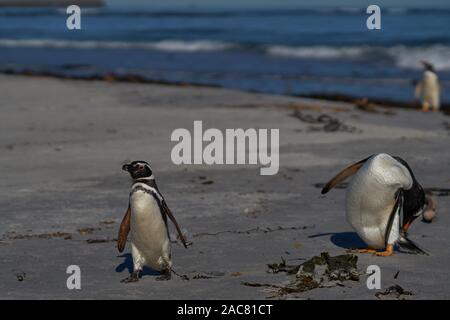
(407, 57)
(318, 52)
(191, 46)
(164, 45)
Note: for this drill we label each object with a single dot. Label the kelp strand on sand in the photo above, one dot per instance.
(318, 272)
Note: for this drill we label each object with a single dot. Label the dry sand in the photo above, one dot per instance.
(62, 193)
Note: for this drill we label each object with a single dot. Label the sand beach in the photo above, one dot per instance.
(63, 193)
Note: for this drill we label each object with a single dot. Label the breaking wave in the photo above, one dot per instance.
(407, 57)
(316, 52)
(164, 45)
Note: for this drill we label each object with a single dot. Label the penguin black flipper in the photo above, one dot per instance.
(414, 199)
(404, 242)
(168, 213)
(396, 211)
(344, 174)
(124, 229)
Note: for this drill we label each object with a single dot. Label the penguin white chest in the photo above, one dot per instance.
(149, 231)
(368, 210)
(431, 90)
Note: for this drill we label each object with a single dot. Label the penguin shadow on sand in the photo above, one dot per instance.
(127, 264)
(345, 240)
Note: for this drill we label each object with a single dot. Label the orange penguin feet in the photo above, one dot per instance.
(388, 252)
(363, 250)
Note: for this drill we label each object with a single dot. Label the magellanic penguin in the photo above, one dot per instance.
(383, 199)
(428, 89)
(146, 217)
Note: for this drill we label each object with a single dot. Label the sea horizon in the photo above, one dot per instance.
(303, 51)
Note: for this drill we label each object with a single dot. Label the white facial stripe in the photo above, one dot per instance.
(142, 164)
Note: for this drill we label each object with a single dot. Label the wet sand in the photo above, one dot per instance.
(63, 194)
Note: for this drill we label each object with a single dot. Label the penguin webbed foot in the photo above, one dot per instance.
(133, 277)
(386, 253)
(361, 250)
(165, 276)
(367, 250)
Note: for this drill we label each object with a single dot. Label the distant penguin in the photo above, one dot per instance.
(383, 199)
(428, 88)
(146, 218)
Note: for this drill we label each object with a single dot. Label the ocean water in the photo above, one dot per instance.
(283, 51)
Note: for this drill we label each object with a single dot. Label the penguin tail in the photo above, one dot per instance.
(406, 243)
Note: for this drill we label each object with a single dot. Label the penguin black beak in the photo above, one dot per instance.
(126, 167)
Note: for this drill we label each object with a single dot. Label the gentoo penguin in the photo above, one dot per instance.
(146, 217)
(428, 89)
(383, 199)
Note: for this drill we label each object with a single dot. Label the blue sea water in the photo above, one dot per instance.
(283, 51)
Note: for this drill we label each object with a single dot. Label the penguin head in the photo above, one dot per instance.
(138, 169)
(427, 65)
